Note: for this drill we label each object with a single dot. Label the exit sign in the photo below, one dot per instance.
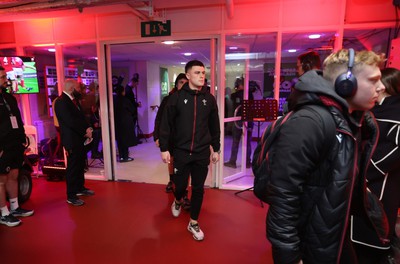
(156, 28)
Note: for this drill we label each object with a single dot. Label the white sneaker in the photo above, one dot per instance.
(196, 231)
(176, 208)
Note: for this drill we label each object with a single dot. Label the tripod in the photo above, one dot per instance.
(259, 111)
(138, 130)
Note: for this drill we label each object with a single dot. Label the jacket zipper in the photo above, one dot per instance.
(194, 123)
(350, 196)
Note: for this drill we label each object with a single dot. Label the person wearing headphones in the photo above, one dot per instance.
(307, 61)
(317, 174)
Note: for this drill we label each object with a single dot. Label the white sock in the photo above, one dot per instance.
(4, 211)
(14, 203)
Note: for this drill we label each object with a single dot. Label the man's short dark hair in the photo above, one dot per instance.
(2, 68)
(310, 60)
(192, 63)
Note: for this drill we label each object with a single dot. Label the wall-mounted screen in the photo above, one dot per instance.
(21, 74)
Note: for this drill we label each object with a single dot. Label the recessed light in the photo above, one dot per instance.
(292, 50)
(43, 45)
(187, 54)
(168, 42)
(314, 36)
(183, 63)
(233, 48)
(51, 50)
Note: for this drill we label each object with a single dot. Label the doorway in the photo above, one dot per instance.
(155, 65)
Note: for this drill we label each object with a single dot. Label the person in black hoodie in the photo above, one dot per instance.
(124, 119)
(384, 171)
(179, 82)
(317, 176)
(191, 122)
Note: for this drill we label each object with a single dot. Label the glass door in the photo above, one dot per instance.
(248, 77)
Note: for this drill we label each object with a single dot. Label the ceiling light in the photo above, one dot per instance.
(314, 36)
(168, 42)
(233, 48)
(187, 54)
(52, 50)
(183, 63)
(43, 45)
(292, 50)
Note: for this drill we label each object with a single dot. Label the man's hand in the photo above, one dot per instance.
(157, 143)
(215, 157)
(166, 157)
(89, 131)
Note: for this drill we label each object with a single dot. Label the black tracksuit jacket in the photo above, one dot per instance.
(192, 115)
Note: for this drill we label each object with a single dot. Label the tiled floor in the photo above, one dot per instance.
(148, 167)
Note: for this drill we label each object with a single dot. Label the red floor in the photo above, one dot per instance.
(132, 223)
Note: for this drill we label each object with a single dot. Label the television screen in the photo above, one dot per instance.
(21, 74)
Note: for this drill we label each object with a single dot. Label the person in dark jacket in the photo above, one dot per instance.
(313, 173)
(130, 90)
(384, 172)
(191, 122)
(179, 82)
(75, 133)
(12, 141)
(124, 118)
(237, 131)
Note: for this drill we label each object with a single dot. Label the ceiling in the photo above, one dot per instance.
(260, 46)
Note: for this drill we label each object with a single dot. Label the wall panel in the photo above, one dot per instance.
(34, 31)
(265, 15)
(364, 11)
(300, 13)
(197, 20)
(74, 28)
(122, 25)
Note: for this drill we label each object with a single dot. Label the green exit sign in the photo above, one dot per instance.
(156, 28)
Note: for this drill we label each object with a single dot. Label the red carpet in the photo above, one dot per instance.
(132, 223)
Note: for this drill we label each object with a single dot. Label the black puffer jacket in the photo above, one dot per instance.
(192, 115)
(313, 175)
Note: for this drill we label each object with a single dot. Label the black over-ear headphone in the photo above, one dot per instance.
(306, 65)
(346, 83)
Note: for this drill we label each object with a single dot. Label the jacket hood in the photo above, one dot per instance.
(190, 91)
(310, 87)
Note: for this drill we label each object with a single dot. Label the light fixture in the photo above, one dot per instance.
(43, 45)
(183, 63)
(187, 54)
(168, 42)
(233, 48)
(292, 50)
(51, 50)
(314, 36)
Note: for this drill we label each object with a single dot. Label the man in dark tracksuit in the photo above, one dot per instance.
(192, 114)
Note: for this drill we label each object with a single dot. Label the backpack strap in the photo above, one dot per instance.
(271, 132)
(329, 125)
